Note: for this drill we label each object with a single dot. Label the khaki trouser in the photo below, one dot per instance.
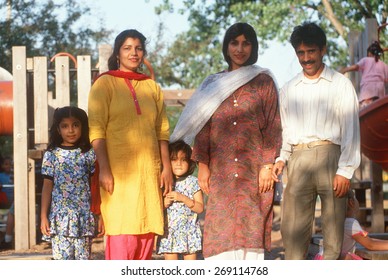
(310, 173)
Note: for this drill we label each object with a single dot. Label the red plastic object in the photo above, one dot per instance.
(6, 108)
(374, 131)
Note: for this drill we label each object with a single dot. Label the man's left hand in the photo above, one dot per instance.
(341, 185)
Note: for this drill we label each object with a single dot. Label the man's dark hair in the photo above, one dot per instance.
(309, 34)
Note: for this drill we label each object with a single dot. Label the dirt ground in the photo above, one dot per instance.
(42, 251)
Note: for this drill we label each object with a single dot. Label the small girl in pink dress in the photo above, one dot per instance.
(374, 75)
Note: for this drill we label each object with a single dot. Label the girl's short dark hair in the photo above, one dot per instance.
(119, 41)
(237, 29)
(67, 112)
(309, 33)
(376, 50)
(180, 145)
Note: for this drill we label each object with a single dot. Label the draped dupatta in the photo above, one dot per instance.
(209, 96)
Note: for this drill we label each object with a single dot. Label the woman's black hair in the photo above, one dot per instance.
(237, 29)
(376, 50)
(180, 145)
(309, 33)
(67, 112)
(119, 41)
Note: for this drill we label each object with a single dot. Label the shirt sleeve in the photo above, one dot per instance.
(285, 151)
(350, 132)
(162, 127)
(355, 228)
(98, 108)
(201, 146)
(47, 169)
(272, 130)
(91, 160)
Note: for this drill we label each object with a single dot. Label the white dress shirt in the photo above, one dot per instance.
(325, 108)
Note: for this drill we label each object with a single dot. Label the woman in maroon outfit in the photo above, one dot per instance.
(235, 150)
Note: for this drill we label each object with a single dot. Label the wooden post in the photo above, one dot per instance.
(32, 203)
(62, 82)
(368, 171)
(84, 71)
(20, 136)
(353, 39)
(40, 102)
(377, 198)
(104, 51)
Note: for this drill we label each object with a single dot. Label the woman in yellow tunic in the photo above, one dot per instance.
(129, 131)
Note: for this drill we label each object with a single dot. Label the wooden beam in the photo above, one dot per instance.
(177, 97)
(31, 203)
(40, 101)
(20, 136)
(377, 199)
(104, 51)
(84, 71)
(62, 82)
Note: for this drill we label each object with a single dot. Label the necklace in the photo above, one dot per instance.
(235, 99)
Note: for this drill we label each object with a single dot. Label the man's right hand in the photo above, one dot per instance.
(277, 169)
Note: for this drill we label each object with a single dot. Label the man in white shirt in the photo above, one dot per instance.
(321, 145)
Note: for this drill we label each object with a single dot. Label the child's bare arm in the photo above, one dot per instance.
(198, 202)
(372, 244)
(195, 204)
(45, 206)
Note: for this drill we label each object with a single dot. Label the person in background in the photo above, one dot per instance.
(183, 236)
(67, 167)
(129, 131)
(234, 118)
(6, 178)
(374, 75)
(321, 145)
(354, 233)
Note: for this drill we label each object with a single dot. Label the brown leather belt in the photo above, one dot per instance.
(311, 145)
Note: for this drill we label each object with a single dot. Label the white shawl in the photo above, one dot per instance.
(208, 97)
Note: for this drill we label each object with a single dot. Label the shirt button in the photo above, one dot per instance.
(234, 123)
(236, 175)
(235, 159)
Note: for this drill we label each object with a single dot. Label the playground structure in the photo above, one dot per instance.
(33, 104)
(374, 136)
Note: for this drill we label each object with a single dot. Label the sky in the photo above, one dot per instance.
(119, 15)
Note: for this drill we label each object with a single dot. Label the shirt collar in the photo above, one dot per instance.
(326, 74)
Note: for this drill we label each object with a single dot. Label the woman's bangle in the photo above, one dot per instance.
(192, 206)
(268, 166)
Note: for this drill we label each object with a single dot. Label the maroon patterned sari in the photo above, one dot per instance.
(235, 143)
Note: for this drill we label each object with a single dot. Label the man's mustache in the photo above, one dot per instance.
(308, 62)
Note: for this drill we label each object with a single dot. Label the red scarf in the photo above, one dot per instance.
(125, 75)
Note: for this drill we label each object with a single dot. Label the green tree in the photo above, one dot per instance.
(47, 28)
(197, 52)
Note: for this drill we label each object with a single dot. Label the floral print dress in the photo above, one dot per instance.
(183, 234)
(70, 170)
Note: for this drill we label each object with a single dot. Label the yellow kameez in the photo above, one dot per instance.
(136, 205)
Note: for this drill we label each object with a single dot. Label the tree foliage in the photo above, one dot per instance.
(47, 28)
(197, 52)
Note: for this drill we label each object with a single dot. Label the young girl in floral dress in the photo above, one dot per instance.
(183, 235)
(68, 163)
